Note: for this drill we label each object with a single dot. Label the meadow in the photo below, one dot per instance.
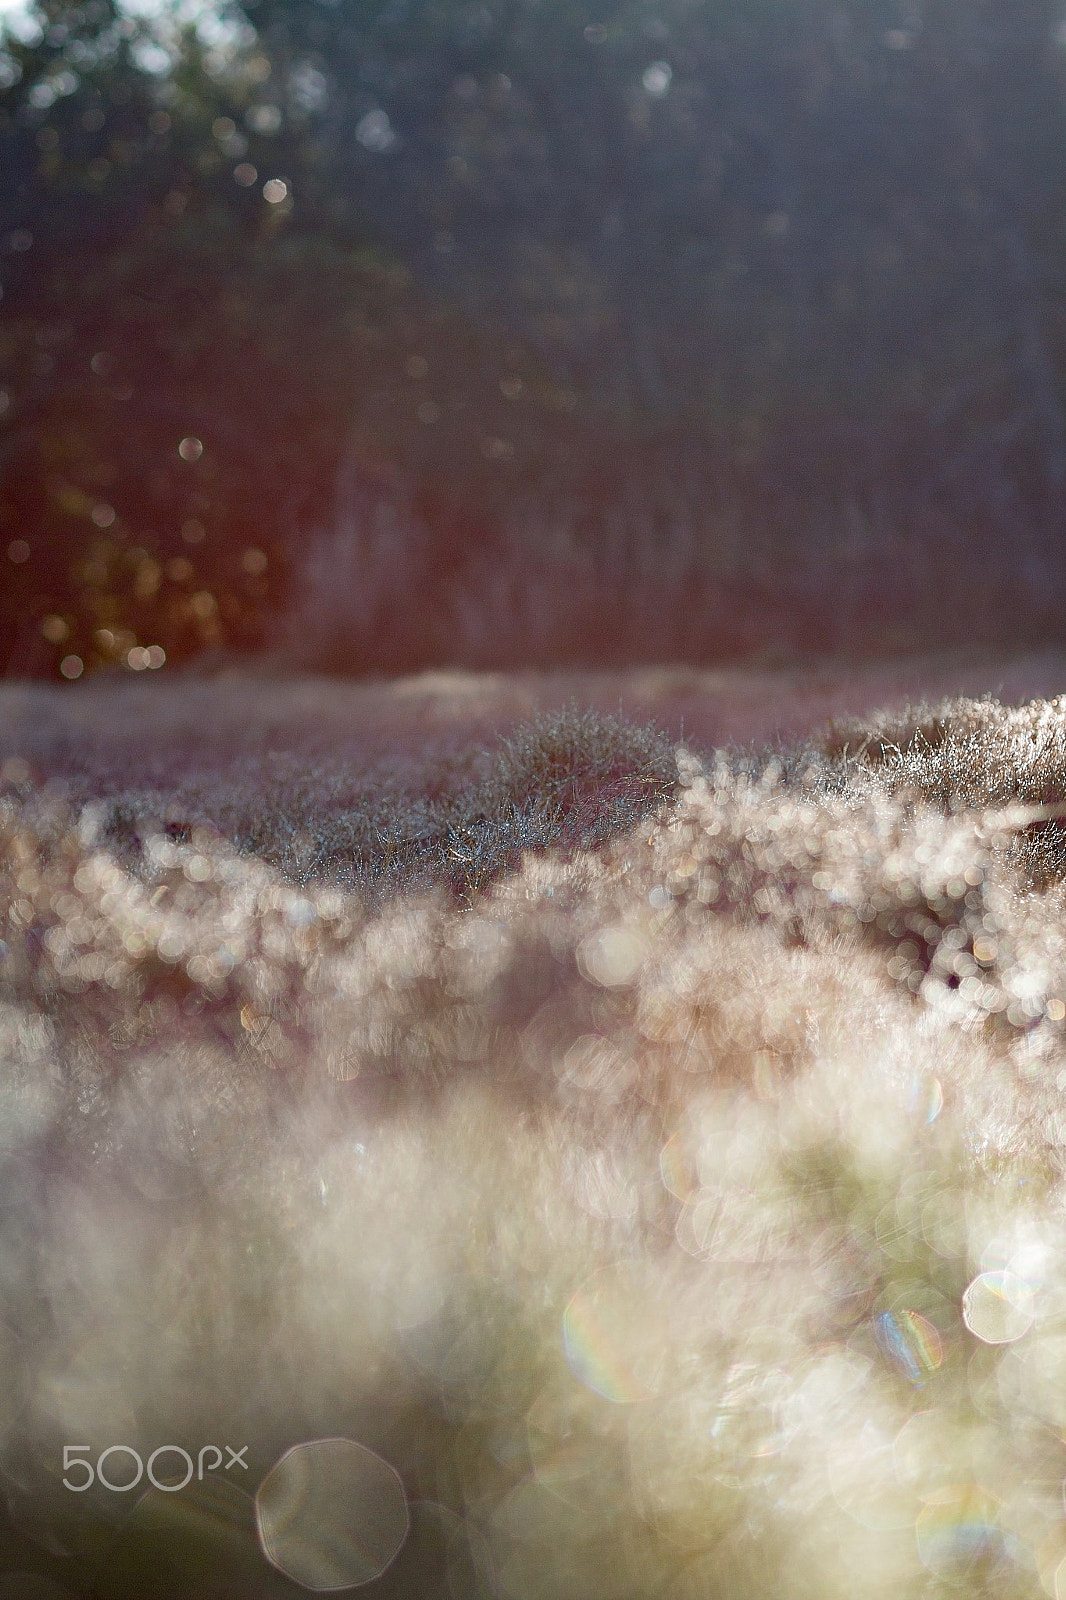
(644, 1144)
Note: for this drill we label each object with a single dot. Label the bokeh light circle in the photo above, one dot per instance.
(997, 1307)
(331, 1514)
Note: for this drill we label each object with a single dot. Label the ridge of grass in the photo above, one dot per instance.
(569, 779)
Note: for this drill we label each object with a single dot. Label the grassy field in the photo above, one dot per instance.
(646, 1143)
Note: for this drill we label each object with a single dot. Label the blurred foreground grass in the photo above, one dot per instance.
(675, 1206)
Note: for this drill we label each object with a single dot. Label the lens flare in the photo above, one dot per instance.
(613, 1336)
(957, 1528)
(910, 1342)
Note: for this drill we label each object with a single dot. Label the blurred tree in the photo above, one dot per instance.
(811, 243)
(425, 297)
(125, 252)
(180, 356)
(615, 176)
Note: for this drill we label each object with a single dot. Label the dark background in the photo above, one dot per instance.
(531, 332)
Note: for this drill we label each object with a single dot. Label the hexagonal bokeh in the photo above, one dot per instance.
(331, 1514)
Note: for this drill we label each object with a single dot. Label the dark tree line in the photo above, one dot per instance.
(387, 331)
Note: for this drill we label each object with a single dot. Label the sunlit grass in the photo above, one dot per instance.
(671, 1195)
